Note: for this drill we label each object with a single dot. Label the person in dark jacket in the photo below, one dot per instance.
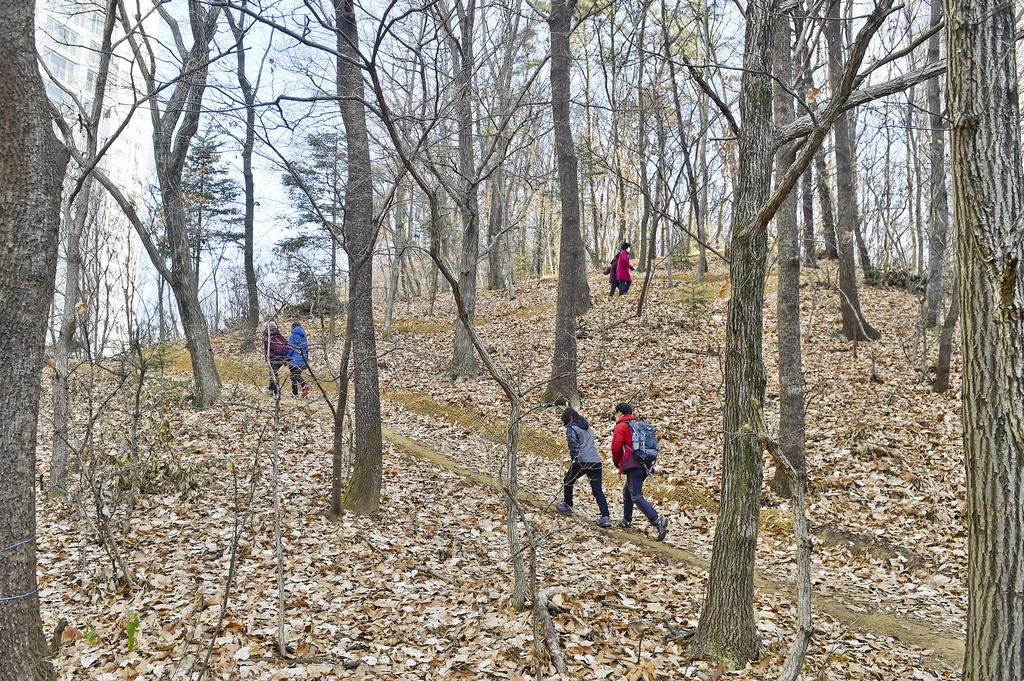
(298, 350)
(621, 270)
(613, 274)
(583, 460)
(275, 351)
(636, 474)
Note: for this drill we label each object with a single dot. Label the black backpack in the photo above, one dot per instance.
(645, 444)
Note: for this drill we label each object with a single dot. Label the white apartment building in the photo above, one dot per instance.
(69, 34)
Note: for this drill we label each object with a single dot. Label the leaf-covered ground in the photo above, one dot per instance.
(423, 590)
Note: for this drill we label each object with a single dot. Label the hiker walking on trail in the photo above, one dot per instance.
(613, 274)
(635, 472)
(298, 350)
(275, 351)
(620, 270)
(583, 460)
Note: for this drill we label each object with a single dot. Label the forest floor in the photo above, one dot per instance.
(423, 589)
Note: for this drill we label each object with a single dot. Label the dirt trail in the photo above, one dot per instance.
(912, 631)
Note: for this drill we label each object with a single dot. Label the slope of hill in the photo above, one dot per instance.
(422, 591)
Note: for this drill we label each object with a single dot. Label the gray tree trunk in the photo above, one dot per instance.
(855, 327)
(32, 165)
(938, 213)
(573, 289)
(828, 219)
(988, 200)
(791, 379)
(464, 363)
(60, 383)
(363, 492)
(727, 629)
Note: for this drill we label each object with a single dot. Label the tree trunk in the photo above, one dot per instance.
(573, 289)
(828, 219)
(727, 629)
(62, 346)
(464, 364)
(855, 327)
(988, 181)
(791, 380)
(363, 493)
(946, 344)
(938, 214)
(172, 133)
(252, 312)
(495, 226)
(32, 165)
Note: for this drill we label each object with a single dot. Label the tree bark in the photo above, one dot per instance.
(363, 492)
(573, 289)
(828, 219)
(938, 213)
(32, 165)
(60, 382)
(727, 629)
(855, 327)
(988, 182)
(464, 364)
(791, 380)
(946, 344)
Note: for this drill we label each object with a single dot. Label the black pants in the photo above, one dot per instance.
(275, 365)
(622, 285)
(593, 472)
(297, 380)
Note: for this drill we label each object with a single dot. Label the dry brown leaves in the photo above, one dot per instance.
(423, 590)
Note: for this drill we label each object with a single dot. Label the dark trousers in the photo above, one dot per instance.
(275, 365)
(633, 493)
(297, 379)
(622, 286)
(593, 472)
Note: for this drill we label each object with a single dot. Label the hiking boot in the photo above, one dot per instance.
(624, 524)
(305, 391)
(662, 526)
(604, 521)
(564, 509)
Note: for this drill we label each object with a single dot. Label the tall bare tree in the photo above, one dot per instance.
(728, 628)
(173, 129)
(791, 375)
(252, 311)
(88, 121)
(363, 492)
(855, 327)
(32, 164)
(573, 289)
(938, 210)
(988, 200)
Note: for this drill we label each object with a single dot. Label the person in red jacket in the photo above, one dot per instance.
(622, 270)
(636, 474)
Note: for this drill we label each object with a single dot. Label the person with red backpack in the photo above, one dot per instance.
(636, 473)
(275, 352)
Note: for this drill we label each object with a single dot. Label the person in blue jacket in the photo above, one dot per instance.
(298, 351)
(584, 460)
